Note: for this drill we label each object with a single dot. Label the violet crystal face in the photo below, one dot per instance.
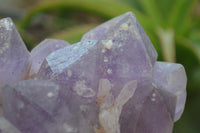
(14, 56)
(42, 50)
(110, 82)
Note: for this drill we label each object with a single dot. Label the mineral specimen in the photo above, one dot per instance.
(109, 82)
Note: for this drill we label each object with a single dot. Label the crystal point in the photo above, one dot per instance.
(171, 77)
(14, 56)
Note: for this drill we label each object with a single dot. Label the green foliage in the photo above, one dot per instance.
(172, 26)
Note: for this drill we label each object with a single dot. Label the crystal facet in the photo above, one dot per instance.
(42, 50)
(109, 82)
(7, 127)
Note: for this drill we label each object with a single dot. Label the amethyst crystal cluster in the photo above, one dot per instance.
(110, 82)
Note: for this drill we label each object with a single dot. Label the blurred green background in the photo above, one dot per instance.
(172, 25)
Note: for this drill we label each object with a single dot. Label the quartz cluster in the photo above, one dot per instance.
(109, 82)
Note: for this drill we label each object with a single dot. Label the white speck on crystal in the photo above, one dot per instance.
(69, 129)
(124, 26)
(154, 95)
(50, 94)
(105, 59)
(5, 23)
(107, 44)
(57, 46)
(69, 73)
(4, 47)
(103, 51)
(109, 71)
(153, 99)
(76, 47)
(83, 90)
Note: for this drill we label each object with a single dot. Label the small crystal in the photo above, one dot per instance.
(171, 77)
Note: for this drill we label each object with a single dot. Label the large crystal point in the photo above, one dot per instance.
(42, 50)
(121, 30)
(14, 56)
(171, 77)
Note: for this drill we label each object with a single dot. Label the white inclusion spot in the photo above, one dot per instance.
(57, 46)
(154, 95)
(5, 23)
(109, 115)
(4, 48)
(107, 44)
(82, 90)
(69, 73)
(50, 94)
(109, 71)
(69, 129)
(124, 26)
(103, 51)
(75, 47)
(153, 99)
(105, 59)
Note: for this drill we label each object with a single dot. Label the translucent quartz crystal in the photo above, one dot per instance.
(42, 50)
(109, 82)
(172, 78)
(14, 56)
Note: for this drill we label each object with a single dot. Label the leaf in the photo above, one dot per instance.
(180, 17)
(190, 46)
(164, 7)
(189, 56)
(104, 8)
(152, 10)
(135, 4)
(167, 44)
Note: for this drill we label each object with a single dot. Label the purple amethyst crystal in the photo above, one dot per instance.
(14, 56)
(109, 82)
(171, 77)
(42, 50)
